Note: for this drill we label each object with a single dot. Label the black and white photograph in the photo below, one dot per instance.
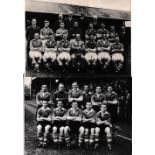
(78, 37)
(78, 116)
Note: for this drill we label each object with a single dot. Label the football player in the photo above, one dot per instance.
(103, 48)
(91, 52)
(59, 123)
(50, 53)
(43, 123)
(97, 99)
(74, 118)
(45, 32)
(88, 122)
(64, 57)
(112, 34)
(117, 57)
(103, 121)
(77, 52)
(36, 47)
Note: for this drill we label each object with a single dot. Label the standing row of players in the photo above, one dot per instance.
(86, 120)
(66, 45)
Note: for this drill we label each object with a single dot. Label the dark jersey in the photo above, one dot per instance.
(43, 96)
(103, 116)
(59, 112)
(111, 96)
(75, 93)
(91, 44)
(51, 44)
(117, 46)
(103, 43)
(73, 31)
(64, 44)
(30, 31)
(74, 113)
(44, 112)
(89, 114)
(98, 97)
(90, 32)
(36, 43)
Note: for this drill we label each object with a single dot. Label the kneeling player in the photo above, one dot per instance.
(103, 121)
(64, 57)
(103, 48)
(35, 55)
(59, 123)
(89, 125)
(117, 50)
(50, 52)
(43, 123)
(74, 117)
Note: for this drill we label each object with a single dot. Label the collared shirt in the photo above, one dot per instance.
(30, 31)
(90, 32)
(112, 36)
(87, 96)
(111, 96)
(76, 43)
(50, 44)
(75, 93)
(103, 43)
(91, 44)
(61, 96)
(74, 31)
(102, 31)
(89, 114)
(61, 31)
(117, 46)
(46, 31)
(98, 97)
(103, 116)
(75, 113)
(36, 43)
(43, 96)
(64, 44)
(44, 112)
(59, 112)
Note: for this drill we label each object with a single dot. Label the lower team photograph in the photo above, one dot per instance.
(78, 116)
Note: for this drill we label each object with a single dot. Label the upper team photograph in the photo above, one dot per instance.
(65, 39)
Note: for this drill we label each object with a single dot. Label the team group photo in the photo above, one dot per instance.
(77, 81)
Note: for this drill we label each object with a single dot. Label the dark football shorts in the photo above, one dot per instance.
(59, 124)
(89, 125)
(74, 126)
(43, 124)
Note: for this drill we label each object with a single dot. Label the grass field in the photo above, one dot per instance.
(121, 146)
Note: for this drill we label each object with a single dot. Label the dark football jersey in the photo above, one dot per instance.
(36, 43)
(89, 114)
(103, 116)
(75, 113)
(51, 44)
(64, 44)
(59, 112)
(44, 112)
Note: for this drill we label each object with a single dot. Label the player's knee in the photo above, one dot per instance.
(54, 129)
(73, 56)
(81, 129)
(97, 130)
(92, 130)
(47, 128)
(39, 128)
(66, 129)
(86, 131)
(107, 130)
(61, 129)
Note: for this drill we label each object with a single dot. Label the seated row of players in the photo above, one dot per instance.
(76, 51)
(76, 99)
(87, 126)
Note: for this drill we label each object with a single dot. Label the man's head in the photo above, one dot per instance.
(88, 105)
(65, 36)
(91, 25)
(92, 37)
(117, 39)
(44, 88)
(104, 36)
(34, 22)
(112, 28)
(51, 37)
(98, 89)
(59, 104)
(95, 18)
(70, 14)
(82, 14)
(61, 87)
(102, 25)
(76, 24)
(78, 37)
(103, 107)
(62, 25)
(74, 85)
(86, 88)
(60, 16)
(122, 28)
(45, 103)
(74, 104)
(36, 36)
(46, 23)
(109, 89)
